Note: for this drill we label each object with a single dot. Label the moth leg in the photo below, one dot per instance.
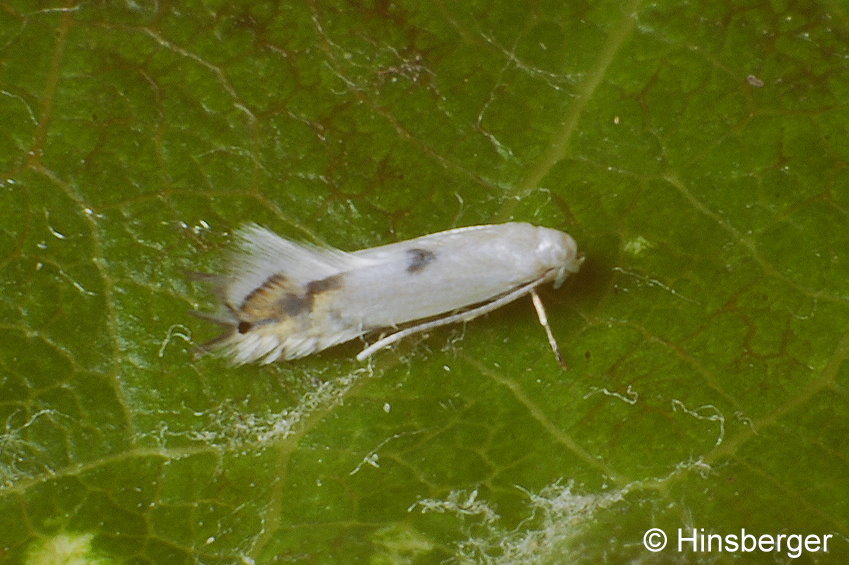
(543, 319)
(459, 317)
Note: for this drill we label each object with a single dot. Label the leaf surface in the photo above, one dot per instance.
(697, 152)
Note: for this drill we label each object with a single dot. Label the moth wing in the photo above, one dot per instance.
(277, 293)
(262, 254)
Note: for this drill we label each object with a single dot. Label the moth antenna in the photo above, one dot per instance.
(459, 317)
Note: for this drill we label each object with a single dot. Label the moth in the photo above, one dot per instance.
(285, 300)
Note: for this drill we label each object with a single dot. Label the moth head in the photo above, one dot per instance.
(560, 252)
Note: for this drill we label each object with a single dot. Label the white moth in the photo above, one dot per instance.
(286, 300)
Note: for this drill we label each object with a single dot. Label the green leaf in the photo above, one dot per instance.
(697, 152)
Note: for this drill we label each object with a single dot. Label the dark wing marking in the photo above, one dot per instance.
(419, 259)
